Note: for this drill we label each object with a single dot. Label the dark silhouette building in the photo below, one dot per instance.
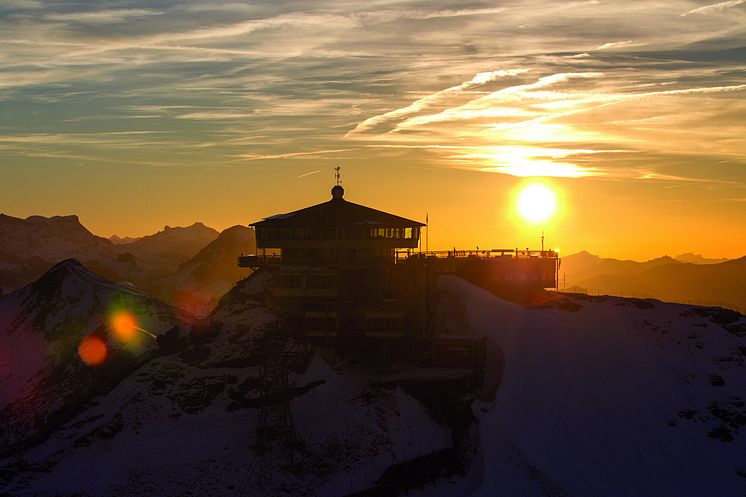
(350, 275)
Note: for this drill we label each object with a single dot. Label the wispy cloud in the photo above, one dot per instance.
(431, 100)
(615, 44)
(308, 174)
(103, 16)
(227, 82)
(715, 7)
(214, 116)
(289, 155)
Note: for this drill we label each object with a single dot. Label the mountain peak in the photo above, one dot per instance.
(693, 258)
(664, 259)
(68, 264)
(67, 270)
(67, 220)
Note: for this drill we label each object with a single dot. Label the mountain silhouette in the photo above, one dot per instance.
(200, 282)
(170, 247)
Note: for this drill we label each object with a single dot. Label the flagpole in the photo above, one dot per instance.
(427, 235)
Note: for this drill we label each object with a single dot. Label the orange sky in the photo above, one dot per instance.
(225, 113)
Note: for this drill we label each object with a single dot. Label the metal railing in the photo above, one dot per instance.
(259, 260)
(403, 255)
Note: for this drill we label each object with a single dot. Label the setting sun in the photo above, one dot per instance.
(537, 203)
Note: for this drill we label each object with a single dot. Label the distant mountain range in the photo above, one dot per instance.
(201, 281)
(170, 247)
(708, 281)
(691, 258)
(117, 240)
(194, 266)
(189, 266)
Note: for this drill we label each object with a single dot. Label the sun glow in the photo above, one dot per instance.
(537, 203)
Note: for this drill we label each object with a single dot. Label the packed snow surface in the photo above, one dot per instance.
(608, 397)
(585, 396)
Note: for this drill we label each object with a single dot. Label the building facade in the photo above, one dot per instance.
(346, 274)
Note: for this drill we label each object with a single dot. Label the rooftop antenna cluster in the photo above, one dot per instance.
(338, 175)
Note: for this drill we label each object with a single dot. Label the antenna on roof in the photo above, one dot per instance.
(338, 175)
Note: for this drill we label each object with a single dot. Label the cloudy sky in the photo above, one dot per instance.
(136, 114)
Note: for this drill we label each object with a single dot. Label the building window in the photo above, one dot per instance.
(320, 281)
(383, 324)
(321, 324)
(290, 281)
(353, 233)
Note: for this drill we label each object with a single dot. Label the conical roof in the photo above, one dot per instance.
(338, 212)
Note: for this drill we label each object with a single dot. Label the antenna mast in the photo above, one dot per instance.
(338, 175)
(542, 240)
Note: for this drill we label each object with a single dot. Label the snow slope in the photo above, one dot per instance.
(609, 397)
(184, 424)
(584, 397)
(41, 326)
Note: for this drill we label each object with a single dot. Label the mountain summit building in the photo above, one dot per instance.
(350, 275)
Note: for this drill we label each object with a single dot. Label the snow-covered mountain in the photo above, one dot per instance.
(185, 423)
(201, 281)
(601, 396)
(42, 327)
(586, 396)
(29, 247)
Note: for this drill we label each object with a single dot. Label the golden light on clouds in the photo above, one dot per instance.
(408, 96)
(523, 161)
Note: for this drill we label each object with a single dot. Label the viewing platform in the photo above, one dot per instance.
(259, 260)
(404, 255)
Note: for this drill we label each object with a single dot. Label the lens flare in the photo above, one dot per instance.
(536, 203)
(93, 350)
(124, 325)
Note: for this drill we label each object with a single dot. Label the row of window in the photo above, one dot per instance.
(522, 276)
(309, 281)
(318, 324)
(384, 325)
(266, 233)
(328, 323)
(397, 233)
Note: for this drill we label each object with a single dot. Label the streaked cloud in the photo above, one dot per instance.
(524, 88)
(716, 7)
(103, 16)
(311, 173)
(614, 44)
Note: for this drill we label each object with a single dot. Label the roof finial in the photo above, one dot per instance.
(338, 175)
